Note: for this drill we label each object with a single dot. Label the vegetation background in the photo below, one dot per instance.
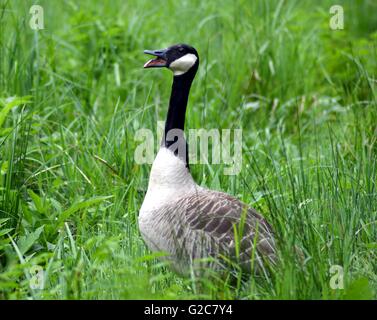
(74, 94)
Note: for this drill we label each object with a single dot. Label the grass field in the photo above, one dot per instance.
(74, 94)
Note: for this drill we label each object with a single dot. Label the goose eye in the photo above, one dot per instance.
(180, 49)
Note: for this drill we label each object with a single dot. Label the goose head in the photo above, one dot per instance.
(180, 58)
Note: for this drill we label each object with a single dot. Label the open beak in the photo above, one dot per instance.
(159, 62)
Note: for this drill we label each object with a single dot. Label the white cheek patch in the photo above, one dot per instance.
(183, 64)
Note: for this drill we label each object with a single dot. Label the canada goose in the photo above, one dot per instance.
(183, 219)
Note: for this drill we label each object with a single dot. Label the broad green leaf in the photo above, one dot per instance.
(5, 231)
(25, 242)
(359, 290)
(37, 200)
(2, 221)
(371, 245)
(81, 205)
(5, 131)
(4, 168)
(9, 105)
(8, 285)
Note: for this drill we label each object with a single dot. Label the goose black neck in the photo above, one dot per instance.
(175, 121)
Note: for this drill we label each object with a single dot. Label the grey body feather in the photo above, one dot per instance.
(209, 224)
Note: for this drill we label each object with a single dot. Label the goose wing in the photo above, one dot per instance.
(235, 228)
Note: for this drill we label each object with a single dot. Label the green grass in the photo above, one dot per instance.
(70, 190)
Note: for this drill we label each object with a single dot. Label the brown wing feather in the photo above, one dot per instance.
(218, 215)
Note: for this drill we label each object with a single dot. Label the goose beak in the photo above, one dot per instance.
(159, 62)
